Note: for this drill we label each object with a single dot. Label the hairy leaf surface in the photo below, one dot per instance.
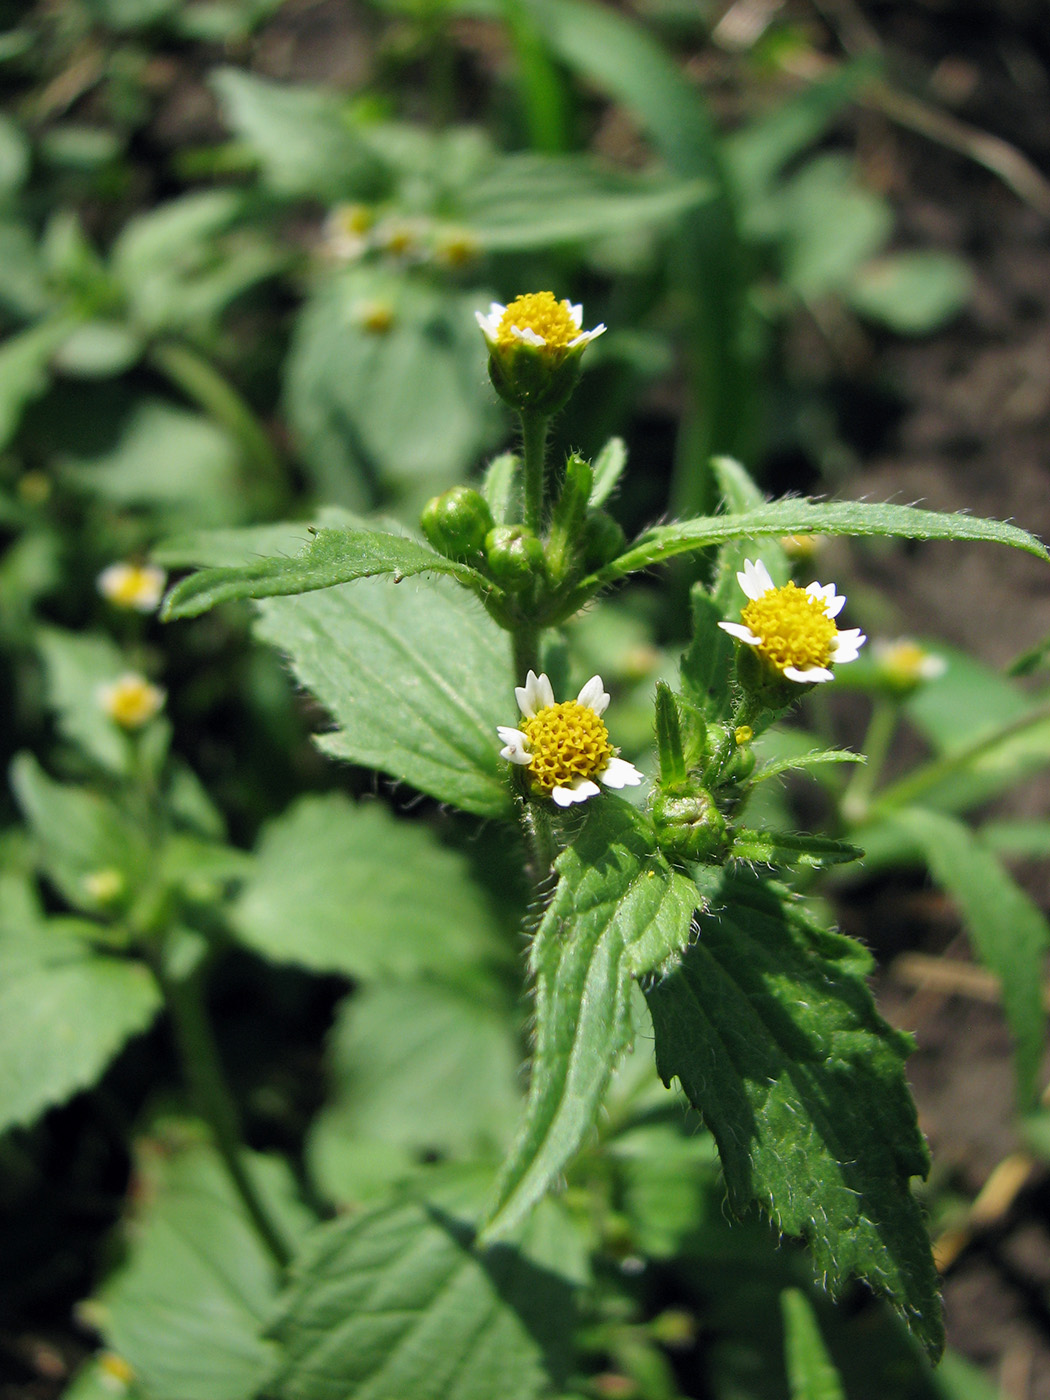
(773, 1034)
(803, 517)
(331, 557)
(396, 1303)
(619, 911)
(417, 679)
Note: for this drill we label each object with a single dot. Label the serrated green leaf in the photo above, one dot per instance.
(1009, 931)
(422, 1066)
(339, 887)
(331, 557)
(188, 1308)
(396, 1303)
(65, 1009)
(417, 677)
(773, 1034)
(803, 517)
(618, 912)
(811, 1372)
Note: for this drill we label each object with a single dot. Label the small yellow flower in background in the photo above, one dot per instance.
(138, 586)
(905, 664)
(346, 231)
(375, 316)
(456, 247)
(104, 885)
(565, 746)
(801, 547)
(114, 1372)
(536, 319)
(131, 700)
(404, 239)
(793, 629)
(743, 734)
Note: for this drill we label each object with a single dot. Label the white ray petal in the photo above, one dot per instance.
(620, 774)
(814, 675)
(833, 602)
(754, 579)
(585, 337)
(528, 335)
(846, 645)
(536, 694)
(594, 696)
(516, 742)
(579, 791)
(742, 633)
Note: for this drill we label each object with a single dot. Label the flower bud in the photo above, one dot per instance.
(690, 826)
(457, 522)
(514, 555)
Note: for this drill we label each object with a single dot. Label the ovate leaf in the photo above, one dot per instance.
(773, 1034)
(417, 677)
(619, 911)
(188, 1308)
(65, 1009)
(351, 889)
(1008, 930)
(398, 1303)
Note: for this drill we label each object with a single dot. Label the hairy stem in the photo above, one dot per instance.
(534, 452)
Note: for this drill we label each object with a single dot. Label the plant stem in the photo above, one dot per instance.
(526, 641)
(539, 838)
(200, 1063)
(200, 381)
(534, 452)
(882, 726)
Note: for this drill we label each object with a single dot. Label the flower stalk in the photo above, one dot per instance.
(201, 1065)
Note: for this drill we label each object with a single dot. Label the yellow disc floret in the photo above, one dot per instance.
(542, 313)
(566, 741)
(793, 628)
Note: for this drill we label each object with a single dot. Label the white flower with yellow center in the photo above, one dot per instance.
(906, 663)
(131, 700)
(537, 319)
(138, 586)
(793, 629)
(565, 746)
